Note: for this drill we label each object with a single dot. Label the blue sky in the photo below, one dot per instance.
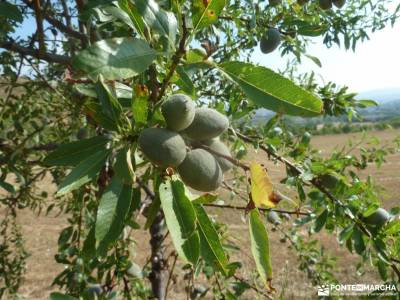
(374, 65)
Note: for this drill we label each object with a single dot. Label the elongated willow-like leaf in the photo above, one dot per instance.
(113, 207)
(83, 173)
(161, 21)
(210, 246)
(271, 90)
(260, 246)
(73, 153)
(180, 217)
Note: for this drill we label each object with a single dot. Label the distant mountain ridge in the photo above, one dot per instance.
(381, 95)
(388, 107)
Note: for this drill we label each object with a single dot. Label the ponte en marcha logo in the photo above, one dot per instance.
(356, 289)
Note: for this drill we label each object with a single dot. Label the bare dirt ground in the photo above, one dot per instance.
(41, 233)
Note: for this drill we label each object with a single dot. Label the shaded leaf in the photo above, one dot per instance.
(73, 153)
(123, 168)
(133, 13)
(184, 82)
(158, 19)
(271, 90)
(84, 172)
(110, 106)
(210, 246)
(115, 58)
(114, 205)
(60, 296)
(10, 11)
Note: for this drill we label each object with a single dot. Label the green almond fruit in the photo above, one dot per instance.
(162, 147)
(219, 147)
(270, 40)
(201, 171)
(207, 124)
(178, 111)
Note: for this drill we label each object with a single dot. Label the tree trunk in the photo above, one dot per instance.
(159, 274)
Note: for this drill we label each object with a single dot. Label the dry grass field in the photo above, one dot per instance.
(41, 233)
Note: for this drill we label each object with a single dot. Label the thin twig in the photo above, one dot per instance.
(171, 272)
(319, 185)
(234, 161)
(253, 287)
(175, 60)
(228, 206)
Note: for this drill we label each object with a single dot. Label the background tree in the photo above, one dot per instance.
(94, 75)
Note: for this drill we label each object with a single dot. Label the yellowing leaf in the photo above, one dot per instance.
(262, 190)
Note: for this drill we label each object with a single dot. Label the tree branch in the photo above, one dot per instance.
(290, 212)
(49, 57)
(175, 60)
(60, 25)
(316, 183)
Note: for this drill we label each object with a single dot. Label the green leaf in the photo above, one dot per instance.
(94, 110)
(359, 244)
(123, 166)
(84, 172)
(60, 296)
(260, 246)
(114, 205)
(346, 233)
(271, 90)
(392, 227)
(121, 90)
(205, 13)
(133, 13)
(152, 212)
(180, 217)
(321, 220)
(140, 108)
(8, 187)
(156, 18)
(205, 198)
(73, 153)
(115, 58)
(315, 60)
(184, 81)
(10, 11)
(109, 105)
(89, 245)
(119, 14)
(210, 246)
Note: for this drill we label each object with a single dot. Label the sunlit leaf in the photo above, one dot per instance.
(115, 58)
(262, 191)
(180, 217)
(271, 90)
(205, 12)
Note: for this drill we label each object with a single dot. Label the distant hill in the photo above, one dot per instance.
(382, 95)
(388, 108)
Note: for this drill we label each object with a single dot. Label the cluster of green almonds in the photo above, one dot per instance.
(184, 144)
(271, 39)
